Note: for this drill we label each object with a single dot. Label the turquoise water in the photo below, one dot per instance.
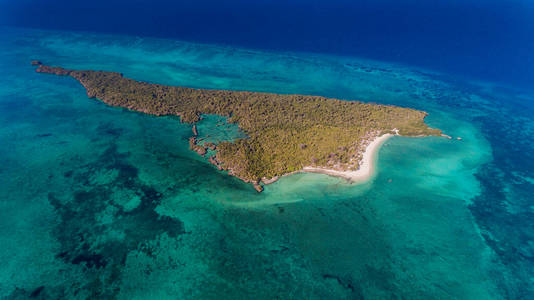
(102, 202)
(215, 129)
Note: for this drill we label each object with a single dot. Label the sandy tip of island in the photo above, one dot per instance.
(366, 166)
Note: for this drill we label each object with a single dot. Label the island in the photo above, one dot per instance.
(285, 133)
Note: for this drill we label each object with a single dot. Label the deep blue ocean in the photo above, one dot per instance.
(490, 40)
(98, 202)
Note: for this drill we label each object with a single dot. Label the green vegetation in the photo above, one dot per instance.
(286, 132)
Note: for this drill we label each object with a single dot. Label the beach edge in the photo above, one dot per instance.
(367, 165)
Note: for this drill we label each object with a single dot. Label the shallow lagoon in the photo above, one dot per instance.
(103, 202)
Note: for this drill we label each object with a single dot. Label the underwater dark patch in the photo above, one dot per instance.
(94, 260)
(346, 283)
(109, 129)
(97, 230)
(18, 108)
(36, 292)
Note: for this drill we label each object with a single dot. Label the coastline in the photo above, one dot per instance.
(366, 166)
(365, 171)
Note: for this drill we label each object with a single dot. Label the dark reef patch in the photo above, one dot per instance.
(35, 293)
(109, 213)
(345, 283)
(109, 129)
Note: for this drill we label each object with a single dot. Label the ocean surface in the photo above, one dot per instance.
(473, 39)
(101, 202)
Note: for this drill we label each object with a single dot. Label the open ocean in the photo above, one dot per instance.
(99, 202)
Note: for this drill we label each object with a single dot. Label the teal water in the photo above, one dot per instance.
(100, 202)
(215, 129)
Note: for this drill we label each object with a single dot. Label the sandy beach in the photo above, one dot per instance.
(366, 167)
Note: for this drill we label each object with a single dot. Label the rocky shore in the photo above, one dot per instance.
(256, 183)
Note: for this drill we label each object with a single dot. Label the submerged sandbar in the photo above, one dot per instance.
(285, 133)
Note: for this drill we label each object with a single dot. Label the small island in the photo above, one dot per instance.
(286, 133)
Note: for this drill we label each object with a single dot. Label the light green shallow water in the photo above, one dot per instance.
(101, 202)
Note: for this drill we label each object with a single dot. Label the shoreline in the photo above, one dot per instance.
(367, 166)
